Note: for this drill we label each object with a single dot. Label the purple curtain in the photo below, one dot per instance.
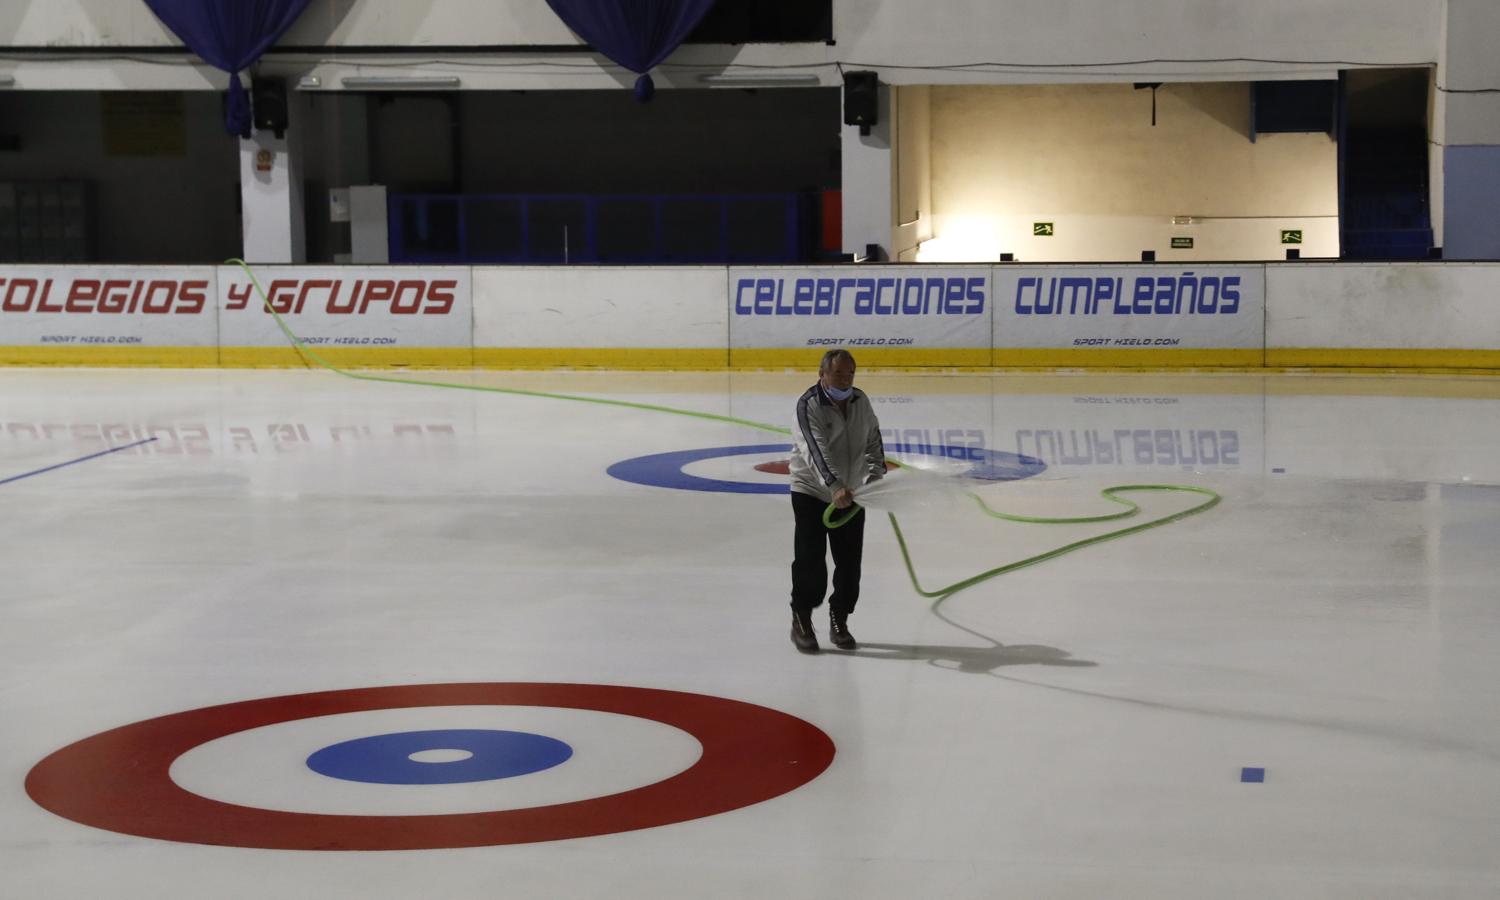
(637, 34)
(229, 35)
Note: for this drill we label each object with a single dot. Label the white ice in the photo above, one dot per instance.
(1075, 729)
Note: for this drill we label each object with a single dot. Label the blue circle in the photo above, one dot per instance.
(385, 758)
(665, 469)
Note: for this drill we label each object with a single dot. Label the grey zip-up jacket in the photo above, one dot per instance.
(833, 449)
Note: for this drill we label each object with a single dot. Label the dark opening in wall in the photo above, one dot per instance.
(765, 22)
(1293, 106)
(1384, 209)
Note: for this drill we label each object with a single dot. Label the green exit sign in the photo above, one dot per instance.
(1182, 243)
(1291, 236)
(1041, 229)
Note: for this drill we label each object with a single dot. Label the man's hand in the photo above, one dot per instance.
(843, 498)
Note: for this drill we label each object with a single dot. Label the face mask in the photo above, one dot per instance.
(839, 395)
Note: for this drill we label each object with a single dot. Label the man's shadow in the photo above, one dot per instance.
(978, 660)
(968, 659)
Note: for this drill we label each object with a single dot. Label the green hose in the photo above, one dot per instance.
(828, 520)
(1108, 493)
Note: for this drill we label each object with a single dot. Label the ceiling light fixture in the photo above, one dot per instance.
(752, 79)
(401, 82)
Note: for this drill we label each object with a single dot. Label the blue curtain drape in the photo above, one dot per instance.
(637, 34)
(229, 35)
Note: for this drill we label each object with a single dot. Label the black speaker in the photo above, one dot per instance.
(268, 105)
(862, 99)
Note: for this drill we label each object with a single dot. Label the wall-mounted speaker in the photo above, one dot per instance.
(268, 105)
(862, 100)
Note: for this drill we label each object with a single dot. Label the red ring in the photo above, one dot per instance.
(118, 780)
(784, 467)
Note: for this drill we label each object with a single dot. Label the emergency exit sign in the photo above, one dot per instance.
(1291, 236)
(1041, 229)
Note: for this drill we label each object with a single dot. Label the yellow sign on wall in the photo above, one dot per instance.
(1041, 229)
(144, 123)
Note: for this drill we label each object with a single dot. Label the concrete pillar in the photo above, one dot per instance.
(272, 223)
(911, 116)
(1466, 133)
(869, 183)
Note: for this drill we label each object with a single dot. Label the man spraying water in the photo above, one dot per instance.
(836, 450)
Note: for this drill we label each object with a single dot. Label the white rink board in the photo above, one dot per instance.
(348, 306)
(864, 306)
(1115, 306)
(1421, 314)
(1397, 305)
(624, 306)
(107, 306)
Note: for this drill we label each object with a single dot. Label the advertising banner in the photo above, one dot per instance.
(386, 314)
(884, 315)
(1129, 309)
(108, 313)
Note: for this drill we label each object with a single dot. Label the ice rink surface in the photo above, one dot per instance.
(1083, 728)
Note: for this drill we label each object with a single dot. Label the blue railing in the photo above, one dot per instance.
(1386, 243)
(599, 228)
(1391, 224)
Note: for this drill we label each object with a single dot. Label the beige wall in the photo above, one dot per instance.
(1087, 159)
(911, 170)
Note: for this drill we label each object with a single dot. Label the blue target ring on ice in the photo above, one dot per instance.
(390, 758)
(666, 469)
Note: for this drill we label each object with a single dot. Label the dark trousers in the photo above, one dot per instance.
(809, 564)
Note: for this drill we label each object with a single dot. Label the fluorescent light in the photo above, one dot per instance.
(754, 78)
(401, 82)
(309, 81)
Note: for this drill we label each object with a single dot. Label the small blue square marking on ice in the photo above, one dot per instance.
(1252, 776)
